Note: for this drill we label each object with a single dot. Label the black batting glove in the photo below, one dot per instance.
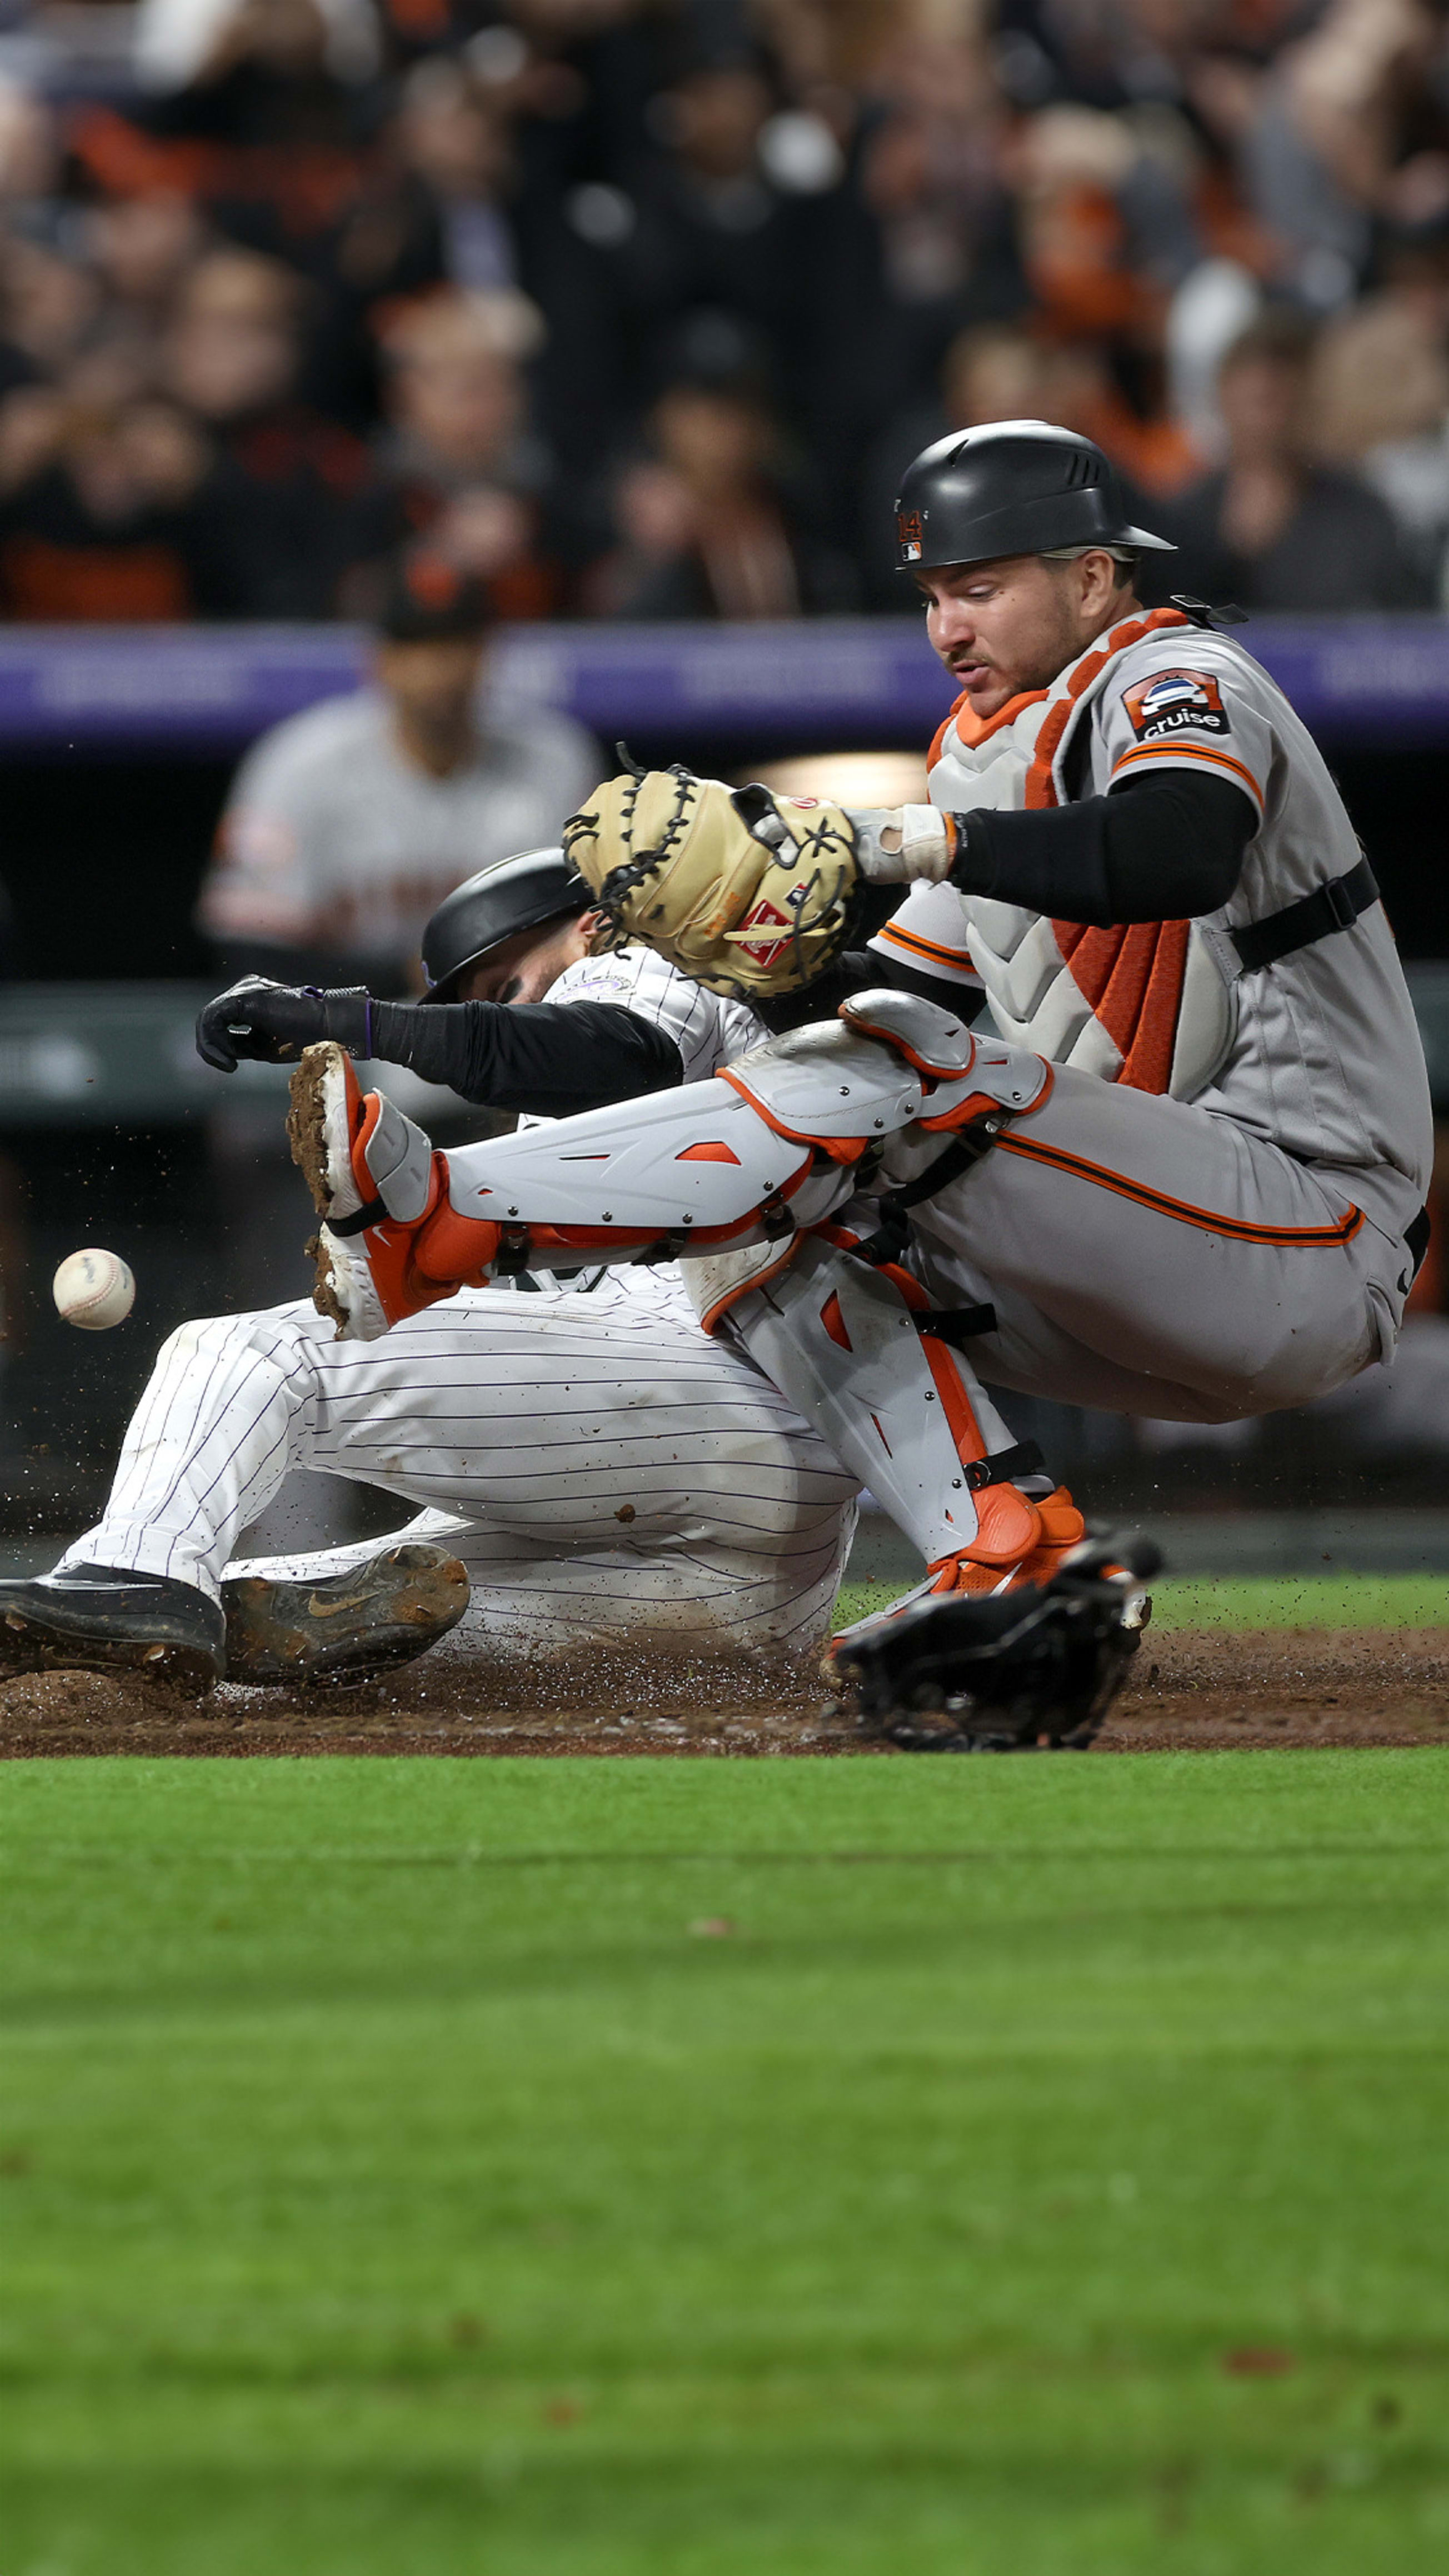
(272, 1023)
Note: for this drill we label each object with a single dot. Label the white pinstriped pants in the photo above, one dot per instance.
(602, 1468)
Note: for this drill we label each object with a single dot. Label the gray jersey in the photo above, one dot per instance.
(1318, 1053)
(1325, 1059)
(333, 839)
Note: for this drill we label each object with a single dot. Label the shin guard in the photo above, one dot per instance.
(900, 1409)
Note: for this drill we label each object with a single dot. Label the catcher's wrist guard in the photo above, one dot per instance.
(1014, 1672)
(902, 844)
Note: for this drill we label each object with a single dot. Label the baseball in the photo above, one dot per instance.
(94, 1290)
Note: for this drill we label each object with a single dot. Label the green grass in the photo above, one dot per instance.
(399, 2185)
(1340, 1600)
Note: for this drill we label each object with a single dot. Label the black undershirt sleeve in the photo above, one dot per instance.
(863, 970)
(1166, 848)
(544, 1058)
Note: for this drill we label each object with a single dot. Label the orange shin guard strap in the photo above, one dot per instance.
(1007, 1525)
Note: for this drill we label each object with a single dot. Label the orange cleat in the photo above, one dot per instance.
(1058, 1527)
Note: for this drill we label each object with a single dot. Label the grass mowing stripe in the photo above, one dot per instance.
(681, 2199)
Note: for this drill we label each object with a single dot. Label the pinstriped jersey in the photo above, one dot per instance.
(709, 1030)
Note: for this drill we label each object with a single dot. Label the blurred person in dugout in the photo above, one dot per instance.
(347, 825)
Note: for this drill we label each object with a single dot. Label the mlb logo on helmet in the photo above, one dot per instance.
(908, 528)
(1175, 702)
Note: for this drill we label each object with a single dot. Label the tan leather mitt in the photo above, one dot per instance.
(747, 892)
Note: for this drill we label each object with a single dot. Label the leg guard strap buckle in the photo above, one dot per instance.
(956, 1324)
(371, 1212)
(1024, 1460)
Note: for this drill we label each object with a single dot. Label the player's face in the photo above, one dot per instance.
(526, 967)
(432, 684)
(1004, 627)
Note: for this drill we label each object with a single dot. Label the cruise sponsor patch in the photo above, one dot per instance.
(1175, 702)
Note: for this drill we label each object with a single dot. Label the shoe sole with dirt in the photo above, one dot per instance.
(346, 1628)
(32, 1641)
(342, 1289)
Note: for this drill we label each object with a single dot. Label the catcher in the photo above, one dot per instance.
(1188, 1180)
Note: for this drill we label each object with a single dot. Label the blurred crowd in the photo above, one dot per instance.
(635, 308)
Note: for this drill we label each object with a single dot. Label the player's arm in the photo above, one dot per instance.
(1164, 848)
(868, 970)
(545, 1059)
(263, 902)
(1187, 757)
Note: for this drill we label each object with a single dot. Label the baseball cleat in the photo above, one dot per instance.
(1054, 1528)
(348, 1627)
(1059, 1528)
(374, 1179)
(1032, 1669)
(104, 1618)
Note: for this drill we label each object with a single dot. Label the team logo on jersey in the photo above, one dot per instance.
(908, 528)
(1175, 702)
(754, 935)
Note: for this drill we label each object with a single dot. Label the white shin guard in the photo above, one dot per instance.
(838, 1338)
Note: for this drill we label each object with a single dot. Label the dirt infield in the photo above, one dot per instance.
(1188, 1693)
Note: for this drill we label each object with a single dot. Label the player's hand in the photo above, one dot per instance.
(748, 892)
(267, 1023)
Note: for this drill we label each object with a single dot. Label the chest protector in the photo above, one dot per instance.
(1143, 1003)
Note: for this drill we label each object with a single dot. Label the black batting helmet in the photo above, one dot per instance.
(519, 894)
(1013, 487)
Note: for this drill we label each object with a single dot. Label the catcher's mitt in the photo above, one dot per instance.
(747, 892)
(1003, 1672)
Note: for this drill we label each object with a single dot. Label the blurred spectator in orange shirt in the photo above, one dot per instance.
(117, 519)
(1381, 406)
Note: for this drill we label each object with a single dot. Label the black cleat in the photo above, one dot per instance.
(106, 1618)
(343, 1628)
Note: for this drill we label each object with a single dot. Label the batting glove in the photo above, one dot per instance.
(271, 1023)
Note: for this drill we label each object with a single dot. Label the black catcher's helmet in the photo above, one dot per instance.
(518, 894)
(1013, 487)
